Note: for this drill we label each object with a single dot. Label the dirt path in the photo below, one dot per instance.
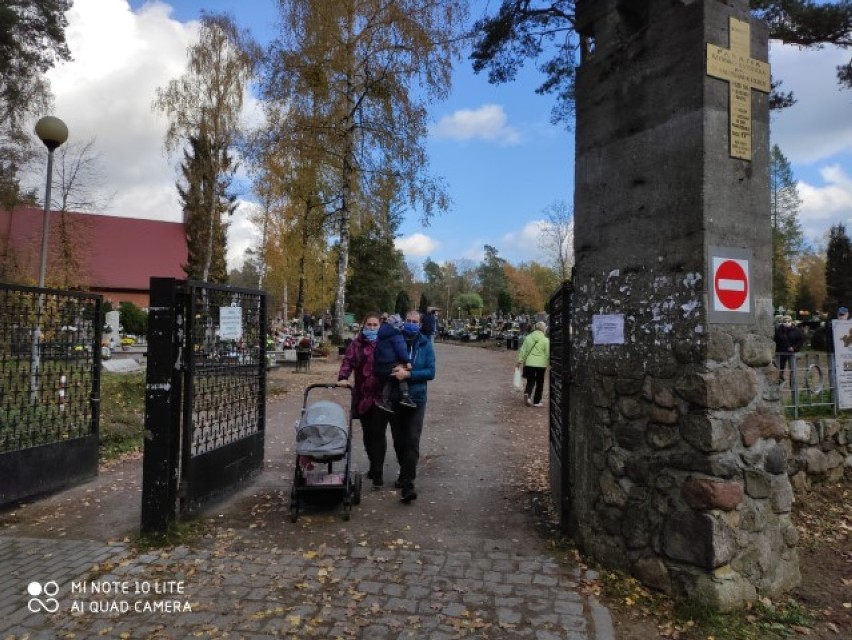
(476, 441)
(472, 455)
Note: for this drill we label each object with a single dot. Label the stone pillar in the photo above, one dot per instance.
(676, 474)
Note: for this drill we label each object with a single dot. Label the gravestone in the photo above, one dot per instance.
(673, 458)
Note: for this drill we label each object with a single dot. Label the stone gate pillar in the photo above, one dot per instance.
(675, 471)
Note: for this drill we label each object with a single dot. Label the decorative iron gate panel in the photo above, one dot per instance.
(559, 310)
(49, 389)
(205, 394)
(224, 408)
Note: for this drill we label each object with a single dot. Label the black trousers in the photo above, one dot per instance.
(535, 380)
(374, 424)
(406, 427)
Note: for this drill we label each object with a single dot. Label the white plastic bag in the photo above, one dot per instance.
(516, 380)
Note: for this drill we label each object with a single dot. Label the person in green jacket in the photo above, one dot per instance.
(534, 356)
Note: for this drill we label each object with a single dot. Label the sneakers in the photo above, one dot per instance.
(407, 402)
(538, 404)
(527, 400)
(385, 406)
(408, 494)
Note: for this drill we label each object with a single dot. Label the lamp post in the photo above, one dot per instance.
(52, 132)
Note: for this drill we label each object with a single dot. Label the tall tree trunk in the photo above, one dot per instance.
(347, 176)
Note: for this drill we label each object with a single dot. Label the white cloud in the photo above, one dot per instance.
(527, 240)
(120, 58)
(243, 234)
(819, 124)
(489, 122)
(827, 204)
(416, 245)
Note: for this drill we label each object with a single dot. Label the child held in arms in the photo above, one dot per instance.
(391, 350)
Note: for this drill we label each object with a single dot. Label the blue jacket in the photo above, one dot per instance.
(390, 350)
(422, 370)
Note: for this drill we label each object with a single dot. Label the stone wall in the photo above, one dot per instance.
(678, 467)
(688, 446)
(817, 451)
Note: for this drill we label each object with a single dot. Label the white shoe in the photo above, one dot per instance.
(538, 404)
(527, 400)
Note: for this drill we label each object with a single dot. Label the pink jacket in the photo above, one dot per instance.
(367, 389)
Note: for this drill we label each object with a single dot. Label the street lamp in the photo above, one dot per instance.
(52, 132)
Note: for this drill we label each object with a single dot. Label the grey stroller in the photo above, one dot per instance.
(324, 437)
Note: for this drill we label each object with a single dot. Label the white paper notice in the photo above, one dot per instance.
(842, 330)
(608, 329)
(230, 323)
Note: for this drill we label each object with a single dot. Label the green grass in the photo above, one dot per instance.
(760, 621)
(178, 533)
(122, 420)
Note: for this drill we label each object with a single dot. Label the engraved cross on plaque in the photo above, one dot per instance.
(743, 74)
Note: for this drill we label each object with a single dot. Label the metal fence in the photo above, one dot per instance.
(807, 382)
(205, 395)
(49, 357)
(49, 388)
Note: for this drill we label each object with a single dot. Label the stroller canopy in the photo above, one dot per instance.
(322, 430)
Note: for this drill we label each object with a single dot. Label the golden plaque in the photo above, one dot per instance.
(743, 74)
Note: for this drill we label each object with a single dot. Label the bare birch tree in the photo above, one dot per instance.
(557, 238)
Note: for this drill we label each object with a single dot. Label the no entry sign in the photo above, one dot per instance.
(730, 284)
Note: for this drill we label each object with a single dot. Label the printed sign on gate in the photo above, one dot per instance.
(730, 285)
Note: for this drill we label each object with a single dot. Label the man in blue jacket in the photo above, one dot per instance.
(407, 422)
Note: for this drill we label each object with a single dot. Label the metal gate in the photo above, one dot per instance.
(559, 310)
(49, 389)
(205, 394)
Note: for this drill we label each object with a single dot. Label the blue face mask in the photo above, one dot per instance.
(411, 328)
(370, 334)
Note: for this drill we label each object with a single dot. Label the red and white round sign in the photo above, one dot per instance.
(730, 285)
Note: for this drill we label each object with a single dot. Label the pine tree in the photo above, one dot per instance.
(517, 31)
(492, 277)
(375, 268)
(201, 193)
(838, 269)
(787, 236)
(402, 304)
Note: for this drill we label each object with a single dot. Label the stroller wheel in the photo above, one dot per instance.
(347, 509)
(294, 505)
(356, 489)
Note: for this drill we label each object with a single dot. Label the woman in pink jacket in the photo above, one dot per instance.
(367, 394)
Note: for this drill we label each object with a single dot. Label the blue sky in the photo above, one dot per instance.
(503, 161)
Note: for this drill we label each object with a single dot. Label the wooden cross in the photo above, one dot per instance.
(743, 74)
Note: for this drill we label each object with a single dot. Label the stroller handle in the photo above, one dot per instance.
(324, 385)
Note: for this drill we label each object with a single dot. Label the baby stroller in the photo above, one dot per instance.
(323, 437)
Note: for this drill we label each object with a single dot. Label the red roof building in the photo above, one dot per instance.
(103, 254)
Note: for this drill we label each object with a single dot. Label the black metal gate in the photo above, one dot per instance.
(49, 389)
(205, 394)
(559, 310)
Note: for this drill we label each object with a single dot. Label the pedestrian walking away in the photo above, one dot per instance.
(407, 422)
(534, 357)
(358, 360)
